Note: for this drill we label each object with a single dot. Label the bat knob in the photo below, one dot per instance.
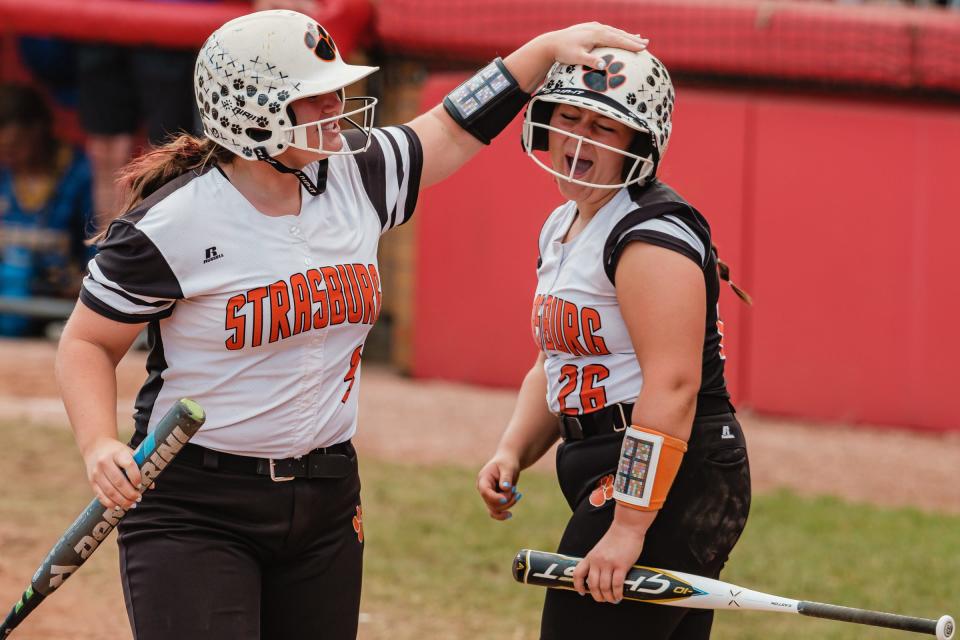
(520, 563)
(946, 628)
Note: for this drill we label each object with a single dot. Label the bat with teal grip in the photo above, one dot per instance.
(92, 526)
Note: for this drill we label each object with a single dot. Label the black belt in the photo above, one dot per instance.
(610, 419)
(335, 461)
(617, 417)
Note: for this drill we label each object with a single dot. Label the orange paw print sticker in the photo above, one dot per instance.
(321, 42)
(607, 78)
(603, 492)
(358, 523)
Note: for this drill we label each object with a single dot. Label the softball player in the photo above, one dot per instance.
(250, 256)
(653, 462)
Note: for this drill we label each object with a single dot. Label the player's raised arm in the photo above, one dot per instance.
(480, 108)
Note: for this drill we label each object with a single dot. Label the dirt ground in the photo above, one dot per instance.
(431, 422)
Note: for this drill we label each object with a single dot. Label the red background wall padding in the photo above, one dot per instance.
(839, 216)
(863, 44)
(161, 23)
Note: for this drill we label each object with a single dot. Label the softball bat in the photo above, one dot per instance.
(93, 525)
(646, 584)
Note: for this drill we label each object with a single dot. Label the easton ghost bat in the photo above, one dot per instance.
(678, 589)
(96, 522)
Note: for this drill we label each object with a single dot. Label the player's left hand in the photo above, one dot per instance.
(607, 564)
(574, 45)
(497, 484)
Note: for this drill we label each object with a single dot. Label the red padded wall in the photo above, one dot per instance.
(476, 262)
(839, 216)
(855, 215)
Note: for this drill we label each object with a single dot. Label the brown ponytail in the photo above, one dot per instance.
(144, 175)
(724, 270)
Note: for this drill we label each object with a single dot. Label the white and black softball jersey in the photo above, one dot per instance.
(261, 319)
(576, 320)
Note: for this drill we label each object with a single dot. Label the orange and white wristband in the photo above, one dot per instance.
(649, 461)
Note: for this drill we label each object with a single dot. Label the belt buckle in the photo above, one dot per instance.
(623, 420)
(274, 476)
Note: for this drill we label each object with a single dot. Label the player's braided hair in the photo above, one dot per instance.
(724, 270)
(144, 175)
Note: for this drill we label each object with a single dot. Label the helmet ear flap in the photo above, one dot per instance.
(540, 113)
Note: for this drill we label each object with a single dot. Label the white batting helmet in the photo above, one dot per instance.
(633, 88)
(252, 67)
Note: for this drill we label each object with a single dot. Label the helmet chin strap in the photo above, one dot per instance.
(308, 184)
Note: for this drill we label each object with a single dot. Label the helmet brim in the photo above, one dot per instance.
(335, 80)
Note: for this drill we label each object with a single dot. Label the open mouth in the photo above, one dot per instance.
(580, 169)
(330, 127)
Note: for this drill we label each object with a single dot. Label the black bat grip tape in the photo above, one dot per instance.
(874, 618)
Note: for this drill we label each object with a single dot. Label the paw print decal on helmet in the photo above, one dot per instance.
(283, 95)
(262, 121)
(274, 107)
(238, 84)
(609, 78)
(236, 129)
(224, 122)
(631, 99)
(320, 41)
(239, 100)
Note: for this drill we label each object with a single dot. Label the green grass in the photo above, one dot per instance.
(432, 549)
(438, 567)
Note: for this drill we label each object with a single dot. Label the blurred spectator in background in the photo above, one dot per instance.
(121, 89)
(45, 207)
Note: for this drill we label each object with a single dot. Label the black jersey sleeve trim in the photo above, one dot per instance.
(131, 260)
(372, 169)
(399, 168)
(414, 170)
(611, 253)
(656, 238)
(110, 313)
(129, 298)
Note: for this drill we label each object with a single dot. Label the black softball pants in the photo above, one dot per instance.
(218, 555)
(700, 523)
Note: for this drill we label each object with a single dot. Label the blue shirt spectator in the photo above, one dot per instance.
(45, 207)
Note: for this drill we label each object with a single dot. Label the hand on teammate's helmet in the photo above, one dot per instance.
(574, 45)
